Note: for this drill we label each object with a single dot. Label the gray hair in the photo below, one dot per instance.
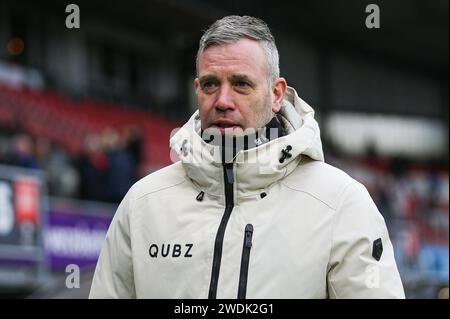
(233, 28)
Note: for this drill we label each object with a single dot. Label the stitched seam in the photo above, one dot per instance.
(315, 197)
(333, 224)
(160, 189)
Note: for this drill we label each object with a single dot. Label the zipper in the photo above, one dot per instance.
(242, 290)
(229, 204)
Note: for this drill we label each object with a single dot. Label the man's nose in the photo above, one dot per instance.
(224, 99)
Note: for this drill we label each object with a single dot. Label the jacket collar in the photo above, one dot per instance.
(230, 145)
(255, 169)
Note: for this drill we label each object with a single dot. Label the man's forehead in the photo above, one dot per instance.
(243, 57)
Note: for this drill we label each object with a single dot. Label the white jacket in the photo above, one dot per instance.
(256, 228)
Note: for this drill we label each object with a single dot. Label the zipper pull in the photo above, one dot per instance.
(248, 235)
(200, 196)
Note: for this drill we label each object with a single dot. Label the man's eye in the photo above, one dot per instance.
(208, 85)
(242, 84)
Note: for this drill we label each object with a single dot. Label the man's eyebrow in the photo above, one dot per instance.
(241, 77)
(206, 78)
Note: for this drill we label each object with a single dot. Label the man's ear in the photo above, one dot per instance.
(196, 85)
(279, 90)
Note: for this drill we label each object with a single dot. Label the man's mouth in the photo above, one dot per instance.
(224, 125)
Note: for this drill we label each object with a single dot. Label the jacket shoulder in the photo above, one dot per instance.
(159, 180)
(320, 180)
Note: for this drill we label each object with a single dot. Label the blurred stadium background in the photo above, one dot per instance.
(86, 112)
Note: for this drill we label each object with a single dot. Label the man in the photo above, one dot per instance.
(251, 210)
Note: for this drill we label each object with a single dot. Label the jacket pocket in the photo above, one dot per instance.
(242, 290)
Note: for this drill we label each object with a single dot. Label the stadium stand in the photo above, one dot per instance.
(68, 124)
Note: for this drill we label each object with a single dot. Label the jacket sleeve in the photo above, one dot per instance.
(359, 236)
(113, 277)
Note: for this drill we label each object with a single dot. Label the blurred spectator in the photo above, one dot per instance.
(133, 143)
(63, 178)
(108, 167)
(121, 170)
(93, 167)
(23, 154)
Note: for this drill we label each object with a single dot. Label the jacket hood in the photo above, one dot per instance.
(256, 168)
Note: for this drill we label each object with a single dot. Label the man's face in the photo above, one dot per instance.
(232, 88)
